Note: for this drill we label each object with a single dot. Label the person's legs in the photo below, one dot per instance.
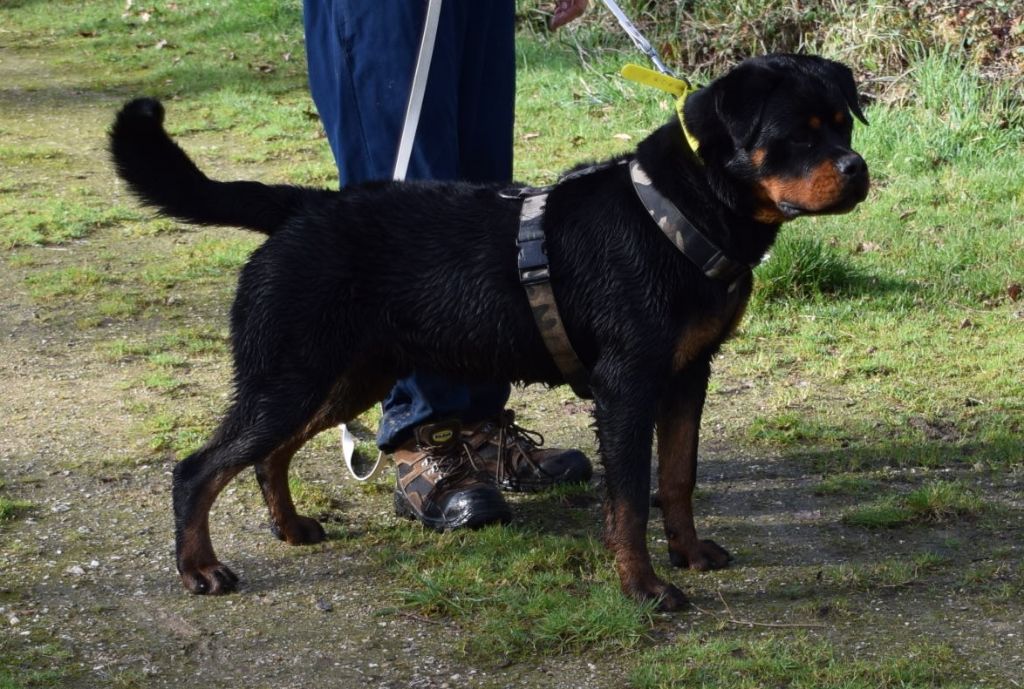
(362, 55)
(361, 58)
(487, 91)
(425, 396)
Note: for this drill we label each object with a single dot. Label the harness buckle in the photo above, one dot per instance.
(533, 261)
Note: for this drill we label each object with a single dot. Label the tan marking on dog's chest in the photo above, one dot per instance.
(708, 332)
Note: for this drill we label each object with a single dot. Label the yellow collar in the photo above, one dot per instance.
(680, 88)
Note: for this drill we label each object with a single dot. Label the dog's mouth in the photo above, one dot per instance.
(850, 198)
(828, 189)
(790, 210)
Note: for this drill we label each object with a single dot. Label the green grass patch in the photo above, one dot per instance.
(889, 573)
(11, 509)
(885, 513)
(38, 665)
(176, 431)
(796, 662)
(161, 381)
(206, 259)
(39, 221)
(847, 484)
(789, 428)
(941, 501)
(516, 592)
(71, 282)
(172, 348)
(935, 502)
(312, 498)
(801, 267)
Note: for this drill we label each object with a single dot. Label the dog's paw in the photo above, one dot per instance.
(667, 597)
(210, 580)
(299, 531)
(702, 556)
(672, 599)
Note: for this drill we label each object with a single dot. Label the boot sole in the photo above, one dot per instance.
(541, 484)
(475, 519)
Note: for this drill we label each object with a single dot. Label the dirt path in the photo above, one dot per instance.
(87, 583)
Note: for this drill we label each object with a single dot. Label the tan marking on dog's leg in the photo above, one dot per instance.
(626, 537)
(348, 398)
(678, 430)
(272, 474)
(201, 571)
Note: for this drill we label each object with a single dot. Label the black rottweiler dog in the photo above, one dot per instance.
(356, 288)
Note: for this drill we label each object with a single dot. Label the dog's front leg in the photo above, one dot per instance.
(625, 424)
(678, 427)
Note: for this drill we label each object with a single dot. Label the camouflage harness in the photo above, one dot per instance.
(683, 234)
(535, 271)
(535, 276)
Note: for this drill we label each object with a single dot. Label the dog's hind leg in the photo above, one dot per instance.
(264, 421)
(348, 399)
(285, 522)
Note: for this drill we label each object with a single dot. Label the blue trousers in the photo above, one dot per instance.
(361, 56)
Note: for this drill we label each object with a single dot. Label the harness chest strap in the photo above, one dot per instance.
(535, 276)
(535, 272)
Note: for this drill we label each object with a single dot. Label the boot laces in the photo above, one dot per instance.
(453, 463)
(516, 445)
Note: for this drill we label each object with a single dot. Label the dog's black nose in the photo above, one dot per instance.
(851, 165)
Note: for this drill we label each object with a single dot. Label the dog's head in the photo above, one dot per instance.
(779, 127)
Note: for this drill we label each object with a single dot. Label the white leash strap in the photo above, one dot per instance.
(639, 40)
(352, 457)
(412, 121)
(419, 87)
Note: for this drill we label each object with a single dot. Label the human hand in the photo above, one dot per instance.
(566, 11)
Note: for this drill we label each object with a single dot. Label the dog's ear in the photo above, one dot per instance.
(740, 101)
(841, 75)
(734, 102)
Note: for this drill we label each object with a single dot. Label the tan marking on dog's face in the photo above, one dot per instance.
(821, 188)
(757, 156)
(839, 117)
(814, 122)
(765, 210)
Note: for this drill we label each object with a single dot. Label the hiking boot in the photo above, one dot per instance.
(440, 482)
(514, 457)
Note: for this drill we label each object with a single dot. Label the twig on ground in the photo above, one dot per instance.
(731, 619)
(420, 618)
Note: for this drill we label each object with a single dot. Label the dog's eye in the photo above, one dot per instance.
(801, 139)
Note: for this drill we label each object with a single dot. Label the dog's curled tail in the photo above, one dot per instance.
(163, 176)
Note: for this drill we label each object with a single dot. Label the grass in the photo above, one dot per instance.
(798, 662)
(11, 509)
(885, 574)
(935, 502)
(878, 344)
(847, 484)
(518, 592)
(43, 665)
(803, 267)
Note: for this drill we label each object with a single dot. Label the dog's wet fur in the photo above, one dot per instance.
(358, 287)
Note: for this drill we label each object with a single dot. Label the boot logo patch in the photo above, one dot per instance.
(441, 436)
